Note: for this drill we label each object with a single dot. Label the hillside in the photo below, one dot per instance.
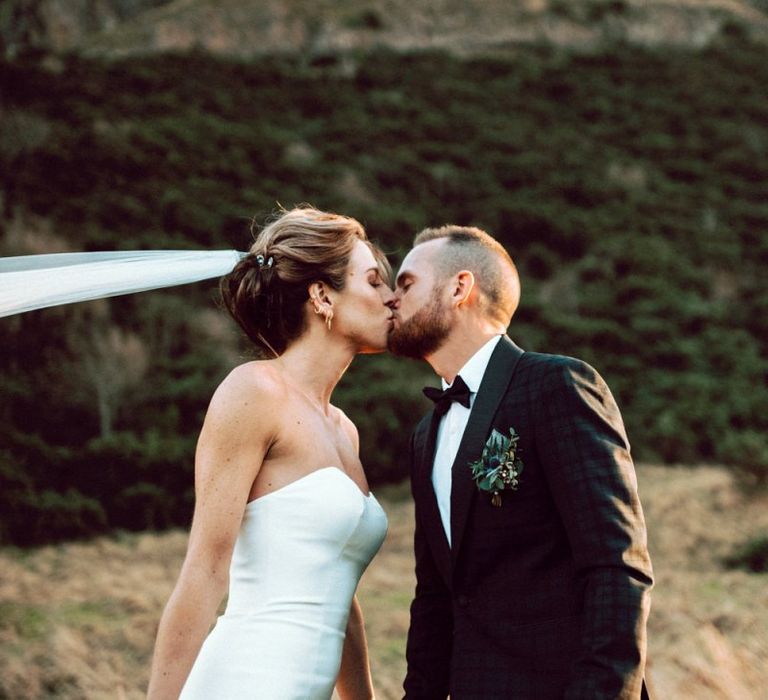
(329, 27)
(78, 621)
(628, 185)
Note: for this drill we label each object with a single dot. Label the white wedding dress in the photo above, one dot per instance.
(298, 558)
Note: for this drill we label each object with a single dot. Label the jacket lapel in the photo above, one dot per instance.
(496, 380)
(424, 452)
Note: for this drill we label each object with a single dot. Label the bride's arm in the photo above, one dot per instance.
(354, 682)
(232, 445)
(187, 617)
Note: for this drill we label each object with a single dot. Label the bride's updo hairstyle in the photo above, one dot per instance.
(267, 291)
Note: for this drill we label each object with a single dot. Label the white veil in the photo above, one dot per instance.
(30, 282)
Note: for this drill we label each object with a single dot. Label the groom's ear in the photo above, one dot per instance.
(464, 284)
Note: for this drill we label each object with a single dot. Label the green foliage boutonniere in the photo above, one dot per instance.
(499, 466)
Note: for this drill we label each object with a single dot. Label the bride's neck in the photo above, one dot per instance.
(315, 363)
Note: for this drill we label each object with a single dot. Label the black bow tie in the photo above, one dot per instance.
(458, 391)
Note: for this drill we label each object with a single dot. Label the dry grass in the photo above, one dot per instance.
(708, 631)
(78, 620)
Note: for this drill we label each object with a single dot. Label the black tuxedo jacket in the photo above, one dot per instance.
(546, 596)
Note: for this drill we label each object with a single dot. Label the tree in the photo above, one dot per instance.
(106, 362)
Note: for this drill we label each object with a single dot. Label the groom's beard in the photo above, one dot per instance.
(423, 333)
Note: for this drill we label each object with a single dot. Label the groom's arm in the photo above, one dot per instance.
(584, 450)
(430, 634)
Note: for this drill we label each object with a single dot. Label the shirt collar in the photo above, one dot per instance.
(473, 370)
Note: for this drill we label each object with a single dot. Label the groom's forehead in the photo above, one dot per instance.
(413, 269)
(420, 260)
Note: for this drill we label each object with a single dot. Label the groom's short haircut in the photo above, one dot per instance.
(470, 248)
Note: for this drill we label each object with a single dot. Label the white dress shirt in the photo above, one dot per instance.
(451, 430)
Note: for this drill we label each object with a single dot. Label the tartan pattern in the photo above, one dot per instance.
(548, 595)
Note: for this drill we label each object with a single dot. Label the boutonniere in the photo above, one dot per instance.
(499, 466)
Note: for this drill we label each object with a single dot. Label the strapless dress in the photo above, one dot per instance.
(298, 558)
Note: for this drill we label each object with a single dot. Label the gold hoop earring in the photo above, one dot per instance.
(328, 319)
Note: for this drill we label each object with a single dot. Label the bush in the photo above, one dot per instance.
(748, 452)
(49, 516)
(752, 556)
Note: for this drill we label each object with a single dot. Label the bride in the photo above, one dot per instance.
(283, 514)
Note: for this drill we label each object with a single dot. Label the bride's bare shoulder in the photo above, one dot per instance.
(243, 417)
(249, 387)
(263, 374)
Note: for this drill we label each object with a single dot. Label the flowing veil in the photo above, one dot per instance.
(29, 282)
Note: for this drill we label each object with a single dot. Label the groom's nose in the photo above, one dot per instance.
(387, 294)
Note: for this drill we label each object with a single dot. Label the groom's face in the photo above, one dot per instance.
(421, 318)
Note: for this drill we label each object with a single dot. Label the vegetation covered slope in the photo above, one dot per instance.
(630, 187)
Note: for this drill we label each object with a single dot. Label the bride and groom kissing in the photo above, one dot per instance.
(532, 570)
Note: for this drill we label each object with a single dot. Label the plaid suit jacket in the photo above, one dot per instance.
(546, 596)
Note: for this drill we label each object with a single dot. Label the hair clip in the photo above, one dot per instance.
(261, 262)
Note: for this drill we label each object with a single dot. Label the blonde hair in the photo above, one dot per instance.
(470, 248)
(267, 291)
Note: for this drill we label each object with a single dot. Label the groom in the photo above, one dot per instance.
(537, 585)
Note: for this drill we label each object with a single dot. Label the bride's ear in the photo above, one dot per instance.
(319, 298)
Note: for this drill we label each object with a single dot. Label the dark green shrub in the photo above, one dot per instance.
(752, 556)
(747, 450)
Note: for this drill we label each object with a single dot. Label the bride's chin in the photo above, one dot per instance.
(373, 346)
(373, 349)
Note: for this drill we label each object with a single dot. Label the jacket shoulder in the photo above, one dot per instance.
(545, 362)
(553, 370)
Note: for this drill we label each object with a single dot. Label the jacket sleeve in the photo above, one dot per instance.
(430, 635)
(584, 451)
